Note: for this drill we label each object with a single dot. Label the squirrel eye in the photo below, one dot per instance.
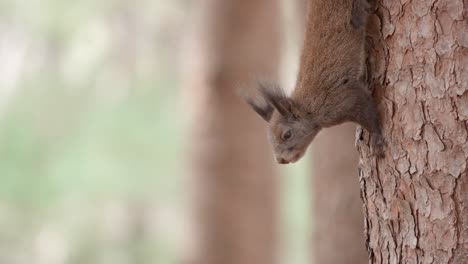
(286, 135)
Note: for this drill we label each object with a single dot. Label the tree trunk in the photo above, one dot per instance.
(232, 163)
(338, 221)
(416, 198)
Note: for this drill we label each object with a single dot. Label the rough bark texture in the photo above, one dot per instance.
(338, 232)
(232, 163)
(416, 198)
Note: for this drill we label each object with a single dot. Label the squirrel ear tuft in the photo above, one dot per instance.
(262, 108)
(286, 105)
(275, 96)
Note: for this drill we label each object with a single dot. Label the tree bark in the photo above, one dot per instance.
(416, 198)
(232, 163)
(338, 221)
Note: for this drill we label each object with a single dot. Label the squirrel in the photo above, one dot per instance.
(330, 88)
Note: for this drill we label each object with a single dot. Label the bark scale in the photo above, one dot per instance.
(416, 198)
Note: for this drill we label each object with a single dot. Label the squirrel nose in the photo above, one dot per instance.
(281, 161)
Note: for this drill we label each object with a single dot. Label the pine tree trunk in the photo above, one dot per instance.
(338, 221)
(416, 198)
(232, 163)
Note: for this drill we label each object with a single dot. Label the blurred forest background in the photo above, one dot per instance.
(92, 134)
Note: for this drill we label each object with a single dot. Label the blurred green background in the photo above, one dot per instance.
(92, 135)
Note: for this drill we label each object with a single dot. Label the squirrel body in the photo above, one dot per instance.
(330, 87)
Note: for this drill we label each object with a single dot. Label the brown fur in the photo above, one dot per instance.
(330, 87)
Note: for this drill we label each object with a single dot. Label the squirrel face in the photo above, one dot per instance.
(290, 135)
(291, 129)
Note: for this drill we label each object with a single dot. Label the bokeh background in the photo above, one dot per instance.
(93, 134)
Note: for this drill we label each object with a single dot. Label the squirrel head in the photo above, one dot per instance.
(290, 128)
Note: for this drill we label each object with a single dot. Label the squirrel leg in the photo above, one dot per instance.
(366, 114)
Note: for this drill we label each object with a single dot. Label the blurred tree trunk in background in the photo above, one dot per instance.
(338, 232)
(232, 164)
(337, 209)
(416, 198)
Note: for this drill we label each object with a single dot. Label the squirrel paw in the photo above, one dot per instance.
(378, 145)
